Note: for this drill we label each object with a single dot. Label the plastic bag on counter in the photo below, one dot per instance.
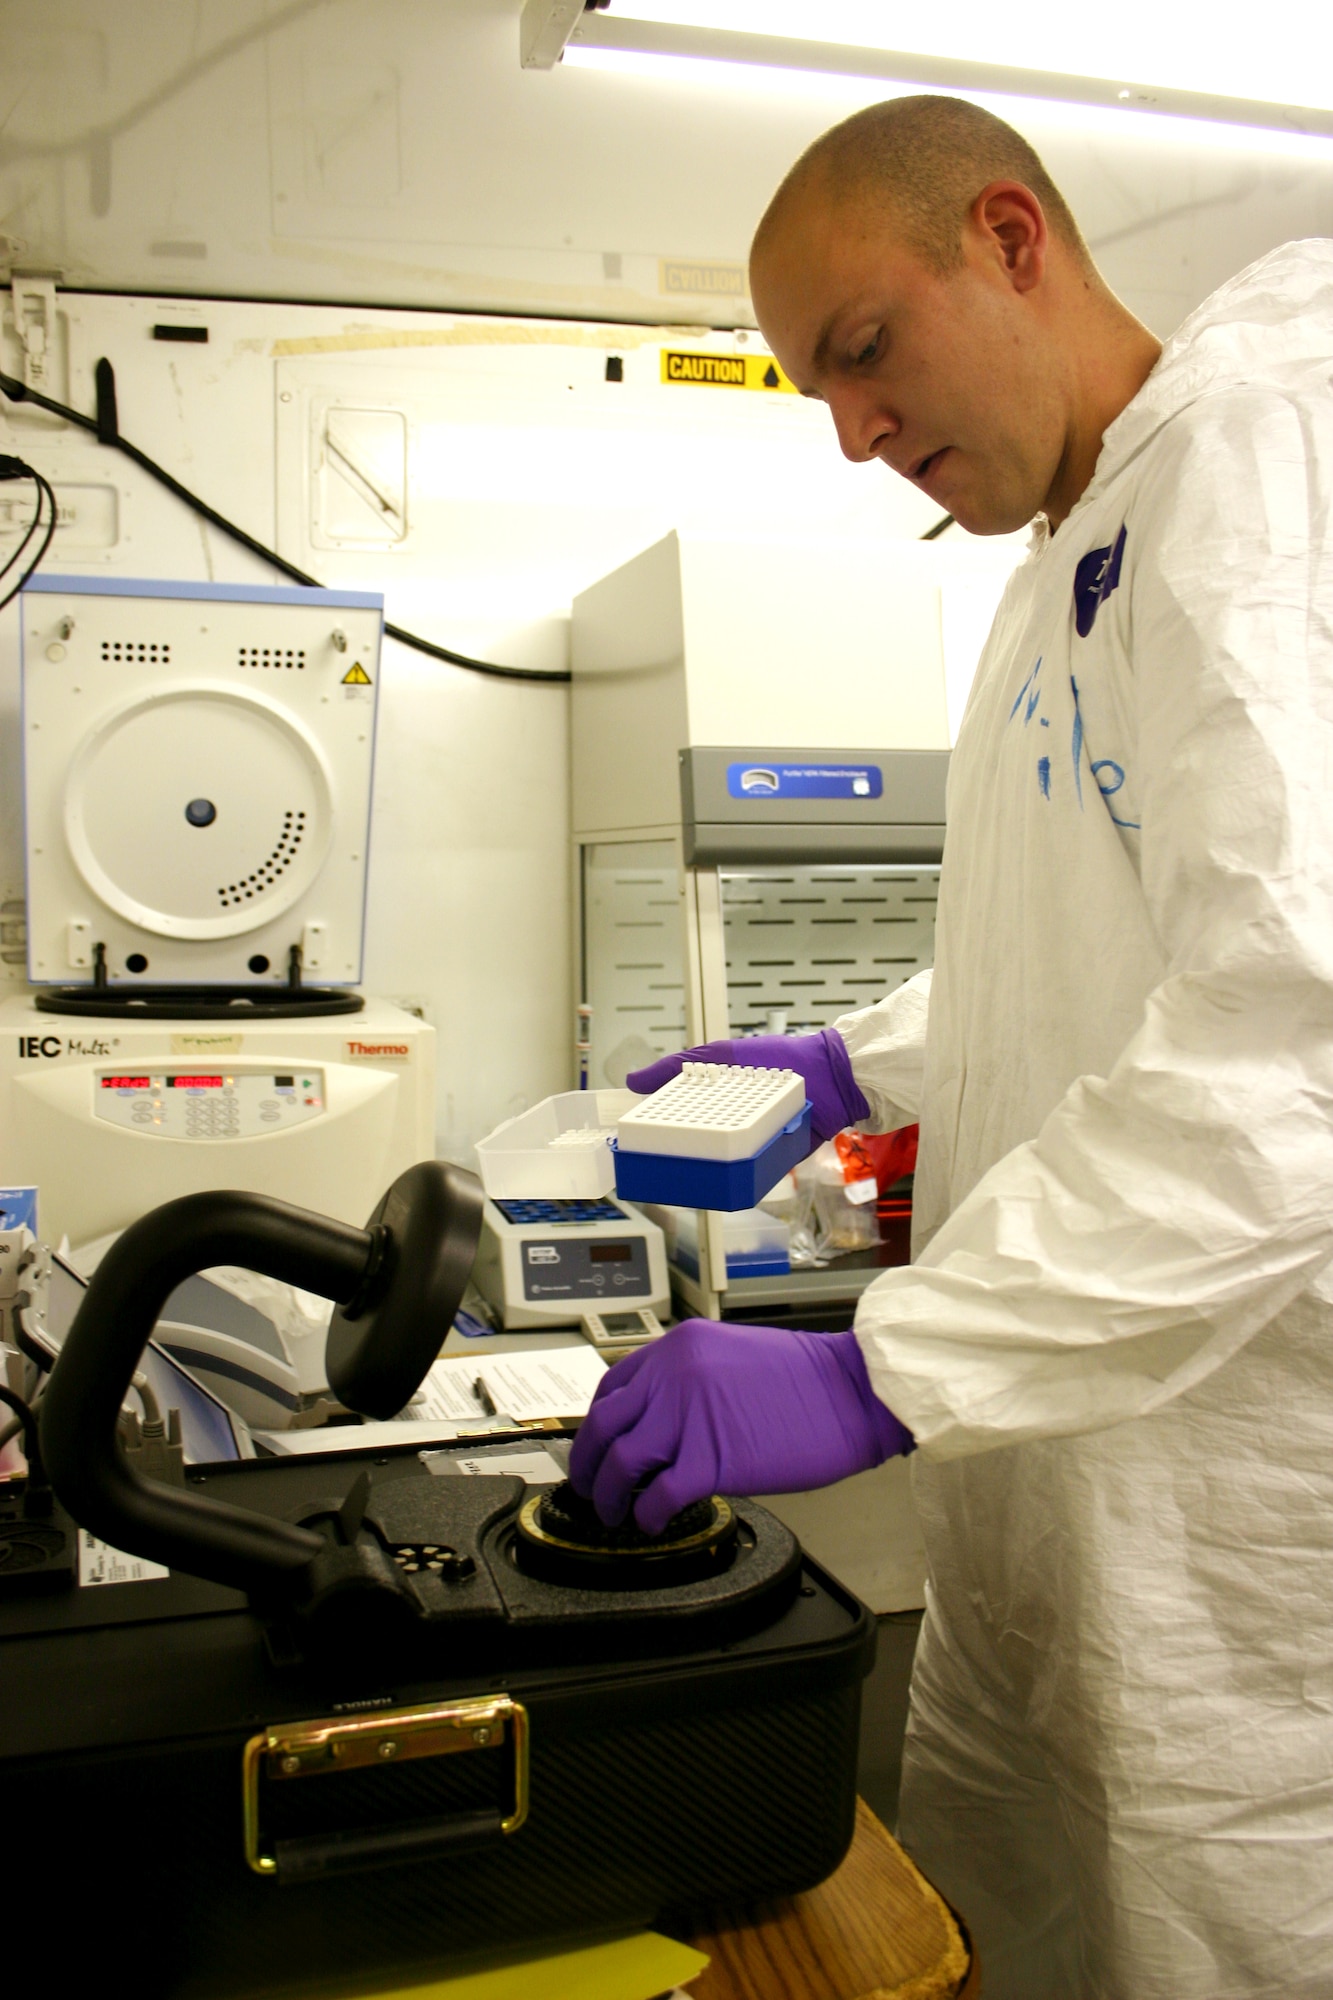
(828, 1202)
(794, 1206)
(845, 1189)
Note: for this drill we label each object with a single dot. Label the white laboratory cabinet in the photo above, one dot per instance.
(760, 753)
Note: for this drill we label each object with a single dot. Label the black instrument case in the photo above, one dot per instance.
(416, 1752)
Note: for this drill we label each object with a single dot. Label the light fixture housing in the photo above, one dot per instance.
(545, 27)
(638, 36)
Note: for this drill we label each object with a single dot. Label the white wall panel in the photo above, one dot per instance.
(393, 152)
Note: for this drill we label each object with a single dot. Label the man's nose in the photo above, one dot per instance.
(861, 422)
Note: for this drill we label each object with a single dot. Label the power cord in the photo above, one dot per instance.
(24, 1420)
(17, 468)
(38, 1540)
(152, 1444)
(27, 1408)
(105, 427)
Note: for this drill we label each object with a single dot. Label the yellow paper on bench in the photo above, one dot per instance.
(632, 1968)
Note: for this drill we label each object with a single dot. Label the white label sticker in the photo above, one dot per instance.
(859, 1193)
(537, 1467)
(100, 1563)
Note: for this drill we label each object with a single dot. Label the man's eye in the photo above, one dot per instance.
(868, 352)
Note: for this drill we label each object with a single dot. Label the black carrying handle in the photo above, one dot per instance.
(314, 1854)
(101, 1352)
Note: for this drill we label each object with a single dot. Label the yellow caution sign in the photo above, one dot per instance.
(356, 677)
(726, 371)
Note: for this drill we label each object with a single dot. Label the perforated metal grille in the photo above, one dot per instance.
(150, 650)
(271, 656)
(806, 944)
(268, 872)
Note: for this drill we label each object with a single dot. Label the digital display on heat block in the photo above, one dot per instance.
(195, 1082)
(610, 1253)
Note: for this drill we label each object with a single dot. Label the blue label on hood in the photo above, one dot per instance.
(18, 1208)
(1095, 578)
(804, 781)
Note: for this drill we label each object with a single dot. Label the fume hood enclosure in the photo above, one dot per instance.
(772, 877)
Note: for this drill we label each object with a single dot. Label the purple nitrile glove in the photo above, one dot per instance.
(712, 1408)
(822, 1059)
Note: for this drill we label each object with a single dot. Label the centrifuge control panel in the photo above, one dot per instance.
(208, 1104)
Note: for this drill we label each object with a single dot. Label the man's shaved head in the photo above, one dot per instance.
(919, 274)
(924, 160)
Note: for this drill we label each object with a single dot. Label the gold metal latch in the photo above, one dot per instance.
(358, 1742)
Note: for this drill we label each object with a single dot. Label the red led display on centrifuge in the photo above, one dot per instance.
(126, 1083)
(195, 1082)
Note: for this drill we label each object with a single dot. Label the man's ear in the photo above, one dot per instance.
(1008, 226)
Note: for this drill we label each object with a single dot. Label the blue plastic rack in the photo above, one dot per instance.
(720, 1184)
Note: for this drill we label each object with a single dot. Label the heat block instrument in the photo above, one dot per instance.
(370, 1721)
(547, 1263)
(554, 1244)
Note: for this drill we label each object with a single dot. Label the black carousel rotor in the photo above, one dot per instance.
(562, 1539)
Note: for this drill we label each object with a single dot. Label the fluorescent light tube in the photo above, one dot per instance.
(672, 30)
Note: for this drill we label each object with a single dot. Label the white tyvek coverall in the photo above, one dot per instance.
(1116, 1346)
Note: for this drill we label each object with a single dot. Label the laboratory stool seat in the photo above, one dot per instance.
(876, 1930)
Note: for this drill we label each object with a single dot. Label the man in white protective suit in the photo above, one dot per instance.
(1113, 1354)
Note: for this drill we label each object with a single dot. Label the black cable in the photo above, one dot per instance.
(28, 1348)
(435, 652)
(43, 486)
(938, 529)
(47, 491)
(14, 468)
(105, 428)
(29, 532)
(27, 1423)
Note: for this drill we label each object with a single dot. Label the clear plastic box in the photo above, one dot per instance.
(558, 1150)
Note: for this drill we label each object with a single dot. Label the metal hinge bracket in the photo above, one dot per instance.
(34, 310)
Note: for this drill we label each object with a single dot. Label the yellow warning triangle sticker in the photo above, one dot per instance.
(725, 371)
(356, 677)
